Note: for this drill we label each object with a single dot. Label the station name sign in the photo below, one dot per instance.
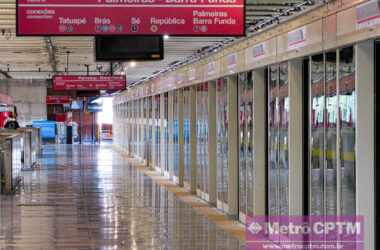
(68, 82)
(130, 17)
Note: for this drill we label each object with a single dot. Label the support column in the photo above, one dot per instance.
(162, 133)
(170, 132)
(233, 147)
(193, 140)
(181, 141)
(259, 142)
(296, 168)
(154, 141)
(212, 142)
(365, 134)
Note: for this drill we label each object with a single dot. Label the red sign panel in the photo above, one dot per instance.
(89, 82)
(57, 99)
(131, 17)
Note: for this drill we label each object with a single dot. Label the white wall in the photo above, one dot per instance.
(29, 96)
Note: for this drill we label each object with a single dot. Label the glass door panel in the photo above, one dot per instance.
(317, 134)
(149, 127)
(138, 127)
(166, 133)
(125, 127)
(202, 139)
(175, 135)
(186, 130)
(199, 139)
(330, 180)
(205, 138)
(145, 124)
(245, 145)
(242, 150)
(158, 130)
(135, 131)
(222, 142)
(249, 142)
(273, 142)
(347, 115)
(278, 156)
(332, 119)
(283, 140)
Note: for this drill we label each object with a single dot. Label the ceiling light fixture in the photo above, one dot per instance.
(132, 64)
(166, 37)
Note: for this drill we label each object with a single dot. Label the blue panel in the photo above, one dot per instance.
(47, 129)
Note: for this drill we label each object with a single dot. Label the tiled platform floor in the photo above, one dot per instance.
(89, 197)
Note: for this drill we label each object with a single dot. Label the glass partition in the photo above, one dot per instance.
(138, 127)
(222, 142)
(202, 139)
(317, 133)
(158, 130)
(148, 128)
(245, 107)
(186, 126)
(278, 157)
(130, 134)
(166, 133)
(332, 120)
(175, 135)
(135, 127)
(347, 116)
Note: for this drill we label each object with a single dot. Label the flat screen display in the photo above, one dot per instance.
(115, 48)
(130, 17)
(77, 105)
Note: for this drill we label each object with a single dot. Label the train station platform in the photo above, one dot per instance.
(239, 125)
(92, 197)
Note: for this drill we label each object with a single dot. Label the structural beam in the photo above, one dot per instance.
(51, 52)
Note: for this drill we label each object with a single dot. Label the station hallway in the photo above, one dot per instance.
(90, 197)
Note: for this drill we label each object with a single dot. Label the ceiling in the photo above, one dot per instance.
(41, 57)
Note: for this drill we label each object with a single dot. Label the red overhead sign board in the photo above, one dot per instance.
(89, 82)
(57, 99)
(131, 17)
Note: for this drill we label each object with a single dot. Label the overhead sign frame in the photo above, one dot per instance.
(58, 99)
(239, 18)
(89, 83)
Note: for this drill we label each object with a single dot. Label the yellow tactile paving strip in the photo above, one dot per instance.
(220, 219)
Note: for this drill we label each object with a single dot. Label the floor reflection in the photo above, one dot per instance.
(88, 197)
